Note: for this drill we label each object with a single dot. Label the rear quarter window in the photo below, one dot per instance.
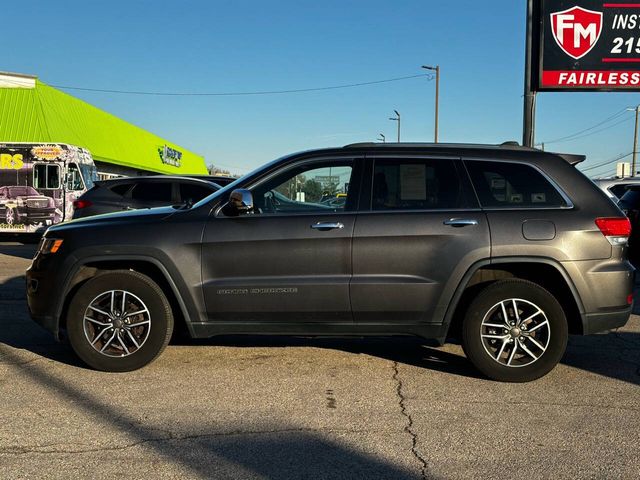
(512, 185)
(121, 189)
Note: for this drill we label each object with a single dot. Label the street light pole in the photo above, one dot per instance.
(635, 144)
(382, 138)
(635, 141)
(397, 119)
(437, 70)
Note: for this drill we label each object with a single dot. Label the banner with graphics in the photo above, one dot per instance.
(38, 184)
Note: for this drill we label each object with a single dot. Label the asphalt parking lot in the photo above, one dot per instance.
(309, 408)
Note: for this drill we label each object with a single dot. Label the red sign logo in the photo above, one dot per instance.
(576, 30)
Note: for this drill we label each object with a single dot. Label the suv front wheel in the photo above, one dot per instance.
(119, 321)
(514, 331)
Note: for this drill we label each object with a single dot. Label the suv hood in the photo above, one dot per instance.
(118, 218)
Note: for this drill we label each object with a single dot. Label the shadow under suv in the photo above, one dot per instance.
(508, 248)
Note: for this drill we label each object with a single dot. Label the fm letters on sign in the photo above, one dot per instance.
(586, 45)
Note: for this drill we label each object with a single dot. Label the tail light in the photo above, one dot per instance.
(77, 204)
(617, 230)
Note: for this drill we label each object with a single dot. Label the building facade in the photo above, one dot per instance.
(31, 111)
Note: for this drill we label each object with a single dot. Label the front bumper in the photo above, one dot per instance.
(45, 284)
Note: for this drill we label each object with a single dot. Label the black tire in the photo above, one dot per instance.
(141, 290)
(483, 344)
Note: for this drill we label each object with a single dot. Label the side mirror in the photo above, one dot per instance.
(240, 203)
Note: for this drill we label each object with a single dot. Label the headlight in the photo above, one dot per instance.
(49, 245)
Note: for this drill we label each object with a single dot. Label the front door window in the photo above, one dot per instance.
(312, 188)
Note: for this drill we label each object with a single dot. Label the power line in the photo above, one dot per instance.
(580, 132)
(236, 94)
(625, 120)
(607, 162)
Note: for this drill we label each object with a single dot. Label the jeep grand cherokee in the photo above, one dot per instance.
(508, 248)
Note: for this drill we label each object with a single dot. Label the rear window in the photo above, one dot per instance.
(619, 190)
(512, 185)
(631, 199)
(152, 192)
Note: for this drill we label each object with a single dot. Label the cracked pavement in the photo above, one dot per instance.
(253, 407)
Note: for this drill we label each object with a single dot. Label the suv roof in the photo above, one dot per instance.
(510, 147)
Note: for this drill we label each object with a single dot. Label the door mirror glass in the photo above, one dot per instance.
(240, 203)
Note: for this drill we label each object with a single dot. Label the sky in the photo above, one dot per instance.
(231, 46)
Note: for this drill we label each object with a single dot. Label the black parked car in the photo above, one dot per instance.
(131, 193)
(508, 248)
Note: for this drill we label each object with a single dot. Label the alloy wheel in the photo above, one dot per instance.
(515, 332)
(117, 323)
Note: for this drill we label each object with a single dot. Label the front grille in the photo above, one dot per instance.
(37, 203)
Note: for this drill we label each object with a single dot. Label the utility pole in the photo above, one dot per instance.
(382, 138)
(397, 119)
(437, 70)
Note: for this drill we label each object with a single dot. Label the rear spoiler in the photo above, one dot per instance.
(571, 159)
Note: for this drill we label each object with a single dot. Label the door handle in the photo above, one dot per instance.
(327, 225)
(460, 222)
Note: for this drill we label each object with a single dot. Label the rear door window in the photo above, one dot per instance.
(512, 185)
(416, 184)
(152, 192)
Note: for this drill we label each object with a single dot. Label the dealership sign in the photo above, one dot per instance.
(586, 45)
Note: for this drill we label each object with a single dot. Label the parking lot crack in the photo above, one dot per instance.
(408, 427)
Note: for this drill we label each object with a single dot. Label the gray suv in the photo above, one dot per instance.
(509, 249)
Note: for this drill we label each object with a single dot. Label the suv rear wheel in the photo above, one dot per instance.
(119, 321)
(514, 331)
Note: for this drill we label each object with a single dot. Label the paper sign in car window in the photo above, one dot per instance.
(538, 198)
(498, 183)
(413, 182)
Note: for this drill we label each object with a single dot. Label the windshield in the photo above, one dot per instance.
(22, 191)
(89, 174)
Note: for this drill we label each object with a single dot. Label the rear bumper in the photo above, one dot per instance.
(602, 322)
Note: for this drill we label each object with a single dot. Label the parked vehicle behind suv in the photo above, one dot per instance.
(616, 187)
(130, 193)
(508, 248)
